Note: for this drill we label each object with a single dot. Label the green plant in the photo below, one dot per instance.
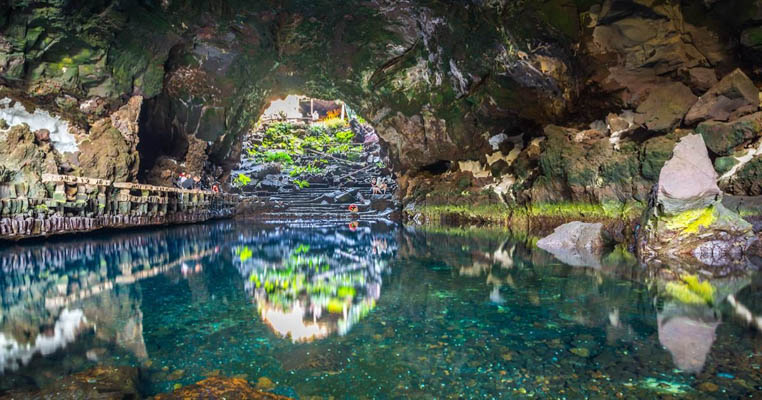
(278, 156)
(241, 180)
(244, 253)
(309, 169)
(302, 249)
(345, 136)
(691, 291)
(301, 184)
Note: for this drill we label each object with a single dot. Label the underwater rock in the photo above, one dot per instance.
(219, 388)
(576, 243)
(265, 383)
(101, 382)
(734, 96)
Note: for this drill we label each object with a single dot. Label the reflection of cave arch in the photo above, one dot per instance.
(309, 286)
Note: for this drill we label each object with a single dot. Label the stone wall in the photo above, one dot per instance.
(76, 204)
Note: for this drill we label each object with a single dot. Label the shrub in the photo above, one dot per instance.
(278, 156)
(301, 184)
(344, 136)
(241, 180)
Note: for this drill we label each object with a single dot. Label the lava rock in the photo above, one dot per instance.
(345, 197)
(666, 105)
(734, 96)
(262, 170)
(723, 137)
(42, 135)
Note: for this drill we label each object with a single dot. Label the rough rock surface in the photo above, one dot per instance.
(688, 218)
(666, 105)
(436, 81)
(22, 161)
(575, 243)
(722, 138)
(734, 96)
(688, 180)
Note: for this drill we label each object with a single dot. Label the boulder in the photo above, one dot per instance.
(688, 180)
(578, 244)
(666, 105)
(723, 137)
(734, 96)
(42, 135)
(688, 218)
(702, 78)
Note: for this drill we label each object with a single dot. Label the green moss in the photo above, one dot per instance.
(499, 213)
(690, 221)
(656, 152)
(752, 37)
(691, 291)
(724, 164)
(620, 256)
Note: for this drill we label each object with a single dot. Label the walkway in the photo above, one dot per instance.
(77, 204)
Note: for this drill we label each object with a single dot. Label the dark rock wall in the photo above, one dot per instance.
(437, 78)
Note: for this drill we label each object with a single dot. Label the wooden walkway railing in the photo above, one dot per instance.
(76, 204)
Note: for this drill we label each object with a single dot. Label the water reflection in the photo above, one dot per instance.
(398, 313)
(311, 283)
(56, 292)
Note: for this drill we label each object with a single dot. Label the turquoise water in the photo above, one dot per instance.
(368, 312)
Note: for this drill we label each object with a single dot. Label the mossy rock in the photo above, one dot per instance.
(748, 179)
(724, 164)
(723, 137)
(656, 151)
(752, 37)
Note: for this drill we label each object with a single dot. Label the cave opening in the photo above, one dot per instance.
(309, 158)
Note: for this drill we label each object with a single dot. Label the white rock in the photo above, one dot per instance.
(62, 140)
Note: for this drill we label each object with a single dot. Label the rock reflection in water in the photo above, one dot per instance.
(53, 293)
(407, 314)
(311, 283)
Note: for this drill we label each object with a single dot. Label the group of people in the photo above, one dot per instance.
(186, 181)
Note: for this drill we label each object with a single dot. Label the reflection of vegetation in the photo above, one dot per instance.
(244, 253)
(313, 290)
(691, 291)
